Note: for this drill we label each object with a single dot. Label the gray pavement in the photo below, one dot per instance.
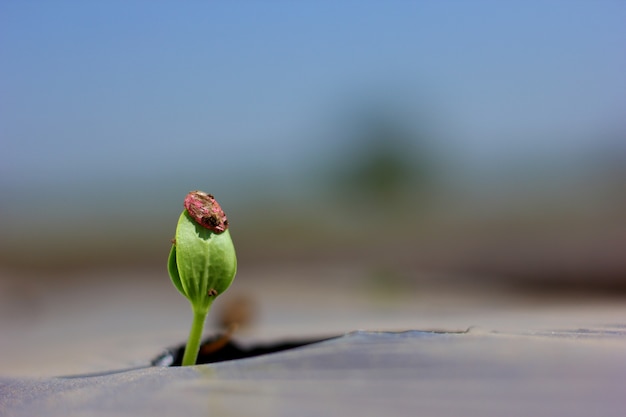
(522, 356)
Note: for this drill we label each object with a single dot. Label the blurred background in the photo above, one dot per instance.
(423, 146)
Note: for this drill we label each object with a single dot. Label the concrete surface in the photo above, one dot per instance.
(566, 373)
(522, 356)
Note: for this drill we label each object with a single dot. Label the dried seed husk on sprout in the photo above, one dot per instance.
(202, 261)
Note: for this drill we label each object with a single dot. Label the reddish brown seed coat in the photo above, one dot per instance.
(205, 211)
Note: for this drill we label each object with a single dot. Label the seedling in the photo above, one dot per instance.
(202, 261)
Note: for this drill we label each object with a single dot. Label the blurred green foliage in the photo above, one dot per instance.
(386, 161)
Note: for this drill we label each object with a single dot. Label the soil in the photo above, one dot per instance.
(221, 348)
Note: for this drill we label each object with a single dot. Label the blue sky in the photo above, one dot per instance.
(134, 92)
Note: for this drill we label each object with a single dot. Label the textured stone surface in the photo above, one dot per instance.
(578, 372)
(523, 356)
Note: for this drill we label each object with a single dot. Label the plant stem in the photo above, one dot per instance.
(195, 334)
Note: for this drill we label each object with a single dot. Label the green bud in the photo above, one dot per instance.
(202, 261)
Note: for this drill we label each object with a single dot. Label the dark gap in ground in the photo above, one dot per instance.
(219, 349)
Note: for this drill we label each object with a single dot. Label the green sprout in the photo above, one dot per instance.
(202, 261)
